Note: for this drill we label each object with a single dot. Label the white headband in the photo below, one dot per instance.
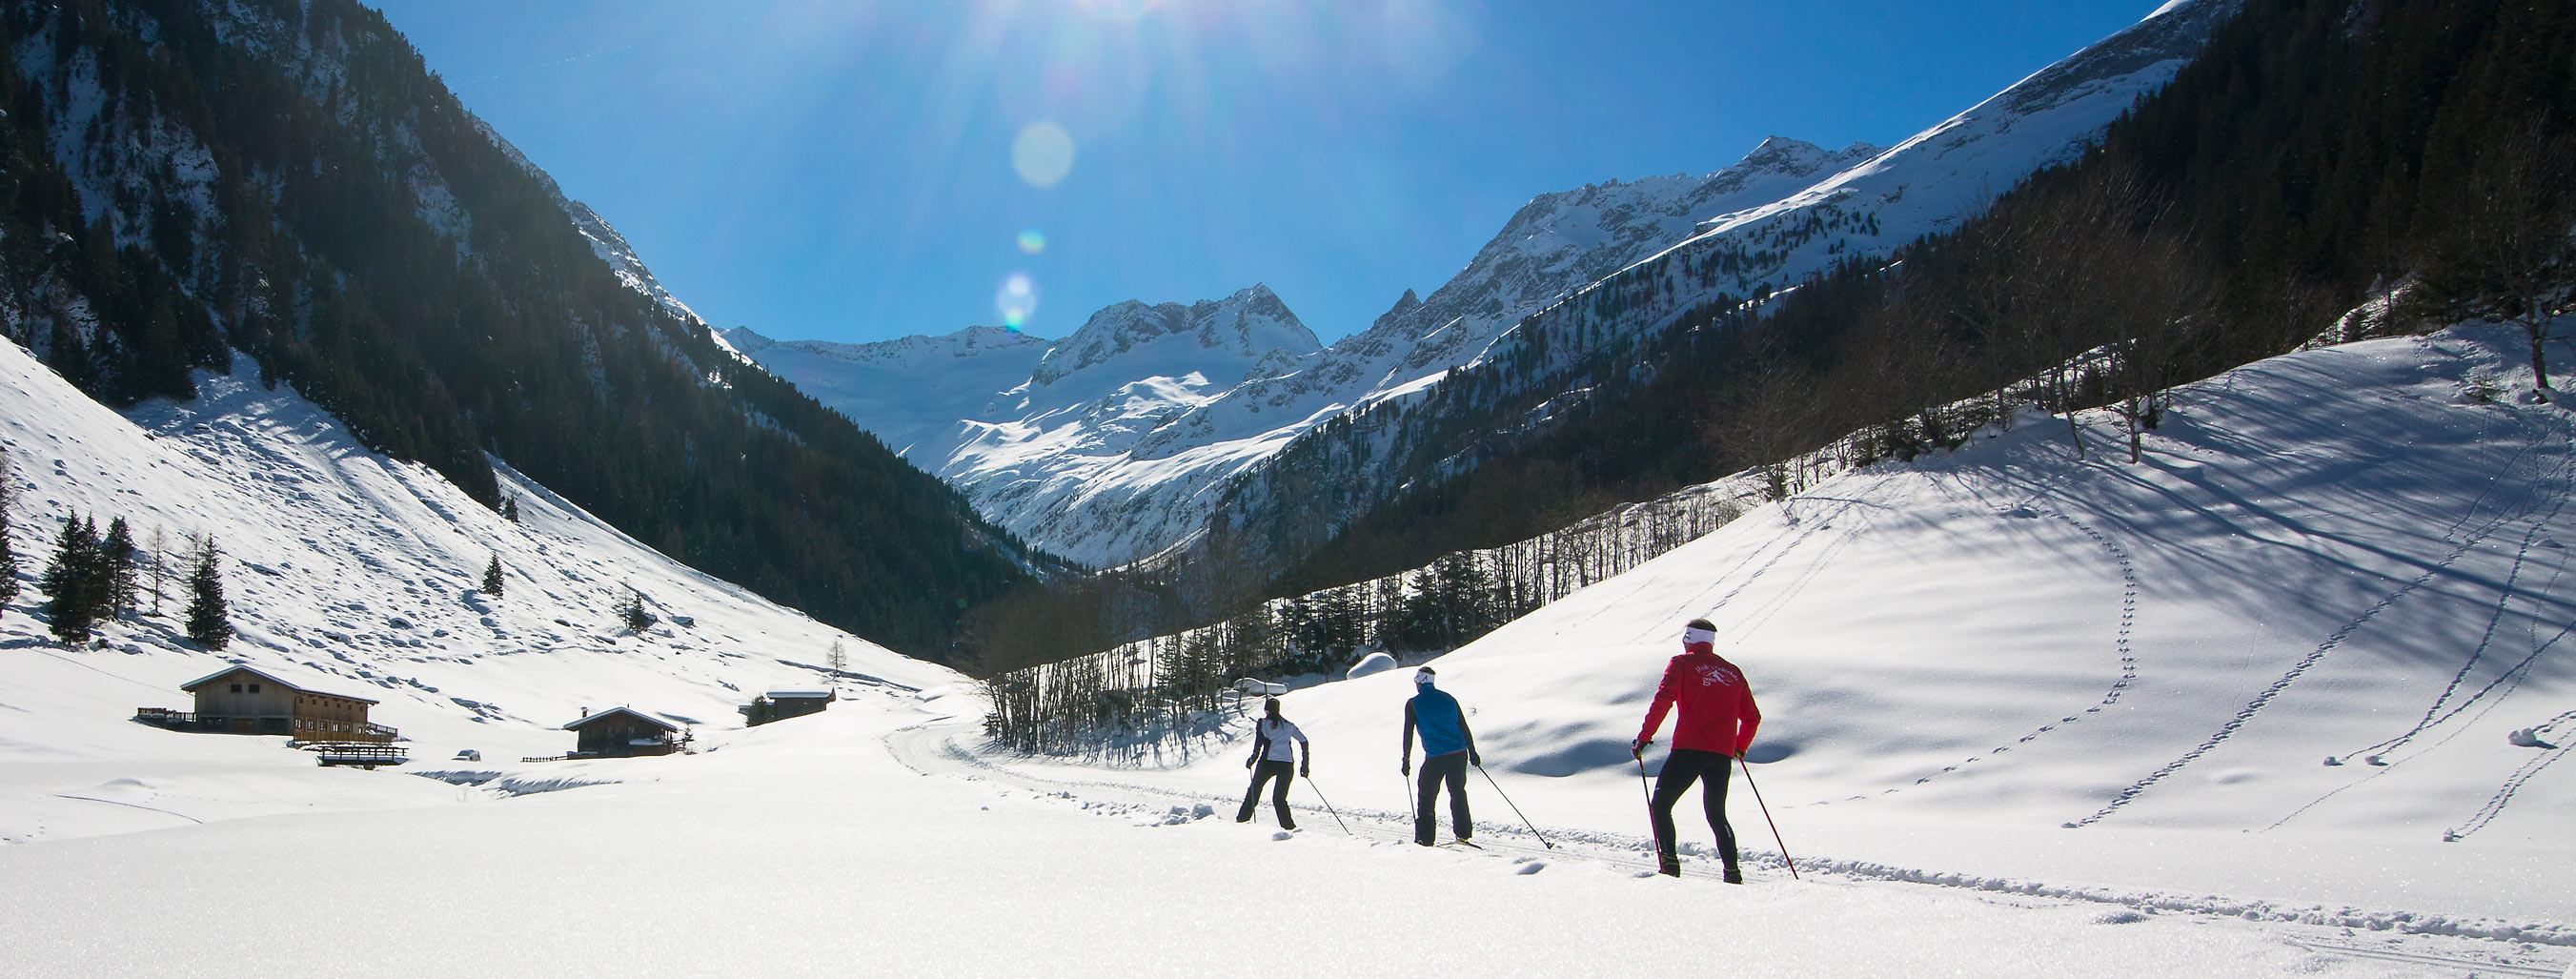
(1695, 634)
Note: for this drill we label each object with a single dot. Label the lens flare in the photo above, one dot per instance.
(1032, 241)
(1043, 154)
(1016, 299)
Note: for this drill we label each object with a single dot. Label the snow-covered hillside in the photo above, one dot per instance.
(2309, 661)
(1787, 210)
(2348, 553)
(346, 572)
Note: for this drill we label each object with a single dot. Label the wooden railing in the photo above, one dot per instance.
(366, 754)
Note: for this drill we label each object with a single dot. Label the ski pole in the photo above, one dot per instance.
(1328, 807)
(1516, 809)
(1766, 816)
(1642, 786)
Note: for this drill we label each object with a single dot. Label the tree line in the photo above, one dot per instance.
(1165, 691)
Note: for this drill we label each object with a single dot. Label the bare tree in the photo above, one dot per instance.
(2508, 256)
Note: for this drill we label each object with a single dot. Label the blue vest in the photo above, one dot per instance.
(1437, 718)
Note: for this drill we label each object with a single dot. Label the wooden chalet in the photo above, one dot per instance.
(242, 700)
(623, 732)
(779, 705)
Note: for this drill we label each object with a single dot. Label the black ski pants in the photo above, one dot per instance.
(1285, 772)
(1689, 765)
(1450, 768)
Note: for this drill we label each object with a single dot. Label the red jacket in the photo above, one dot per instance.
(1717, 705)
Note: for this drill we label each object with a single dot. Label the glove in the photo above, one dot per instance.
(1637, 748)
(1247, 763)
(1408, 766)
(1303, 773)
(1473, 760)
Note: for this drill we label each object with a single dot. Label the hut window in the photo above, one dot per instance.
(236, 688)
(254, 688)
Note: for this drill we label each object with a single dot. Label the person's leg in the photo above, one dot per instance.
(1459, 821)
(1681, 768)
(1279, 796)
(1426, 790)
(1252, 793)
(1713, 796)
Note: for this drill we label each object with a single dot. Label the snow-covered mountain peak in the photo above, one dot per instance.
(1119, 474)
(1218, 339)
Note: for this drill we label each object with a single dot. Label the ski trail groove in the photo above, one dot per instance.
(2504, 601)
(2504, 794)
(2261, 700)
(932, 750)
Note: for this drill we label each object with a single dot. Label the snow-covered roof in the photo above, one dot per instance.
(800, 694)
(192, 685)
(648, 718)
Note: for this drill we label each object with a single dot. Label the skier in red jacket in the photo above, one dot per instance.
(1716, 726)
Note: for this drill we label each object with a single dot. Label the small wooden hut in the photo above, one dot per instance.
(623, 732)
(779, 705)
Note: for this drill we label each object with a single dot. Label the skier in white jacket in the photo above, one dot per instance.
(1271, 758)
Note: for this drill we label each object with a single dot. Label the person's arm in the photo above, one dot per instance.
(1470, 737)
(1306, 748)
(1260, 745)
(1665, 691)
(1408, 738)
(1750, 717)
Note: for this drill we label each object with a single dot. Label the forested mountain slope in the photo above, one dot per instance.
(182, 181)
(2319, 153)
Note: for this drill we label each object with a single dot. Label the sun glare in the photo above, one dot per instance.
(1043, 154)
(1016, 299)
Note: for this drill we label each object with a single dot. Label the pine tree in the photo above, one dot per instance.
(631, 611)
(510, 511)
(8, 557)
(117, 554)
(75, 581)
(492, 577)
(209, 622)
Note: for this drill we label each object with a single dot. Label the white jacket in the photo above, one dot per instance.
(1279, 734)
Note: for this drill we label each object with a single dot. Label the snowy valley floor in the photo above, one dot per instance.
(812, 851)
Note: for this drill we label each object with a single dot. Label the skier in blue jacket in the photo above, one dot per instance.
(1447, 749)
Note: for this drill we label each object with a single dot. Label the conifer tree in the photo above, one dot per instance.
(75, 582)
(492, 577)
(117, 557)
(209, 622)
(510, 511)
(631, 611)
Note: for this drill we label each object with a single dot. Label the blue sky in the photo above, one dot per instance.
(855, 170)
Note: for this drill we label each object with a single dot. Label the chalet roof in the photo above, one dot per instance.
(192, 685)
(800, 694)
(629, 711)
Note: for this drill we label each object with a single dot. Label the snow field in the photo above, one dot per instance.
(803, 850)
